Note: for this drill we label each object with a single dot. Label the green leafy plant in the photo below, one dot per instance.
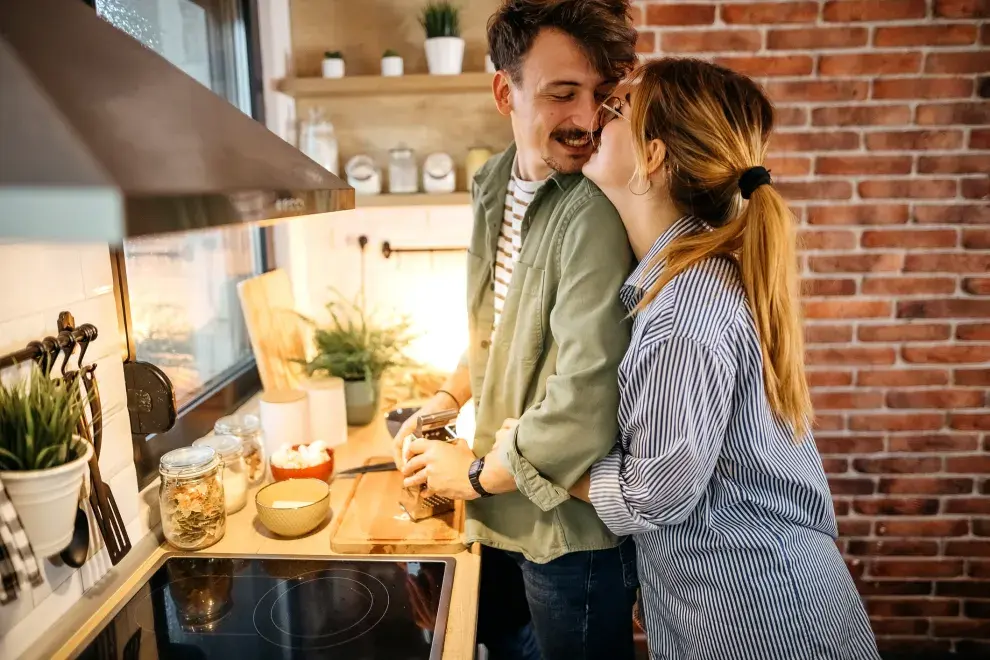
(333, 55)
(355, 348)
(440, 19)
(389, 53)
(38, 421)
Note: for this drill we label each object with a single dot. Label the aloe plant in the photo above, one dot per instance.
(389, 53)
(38, 421)
(440, 19)
(333, 55)
(354, 348)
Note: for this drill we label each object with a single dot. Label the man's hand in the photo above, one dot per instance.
(442, 467)
(438, 402)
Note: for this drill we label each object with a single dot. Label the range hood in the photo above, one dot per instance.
(103, 139)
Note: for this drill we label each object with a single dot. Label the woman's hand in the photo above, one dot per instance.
(442, 467)
(582, 487)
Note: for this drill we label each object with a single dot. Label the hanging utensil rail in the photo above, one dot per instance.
(50, 347)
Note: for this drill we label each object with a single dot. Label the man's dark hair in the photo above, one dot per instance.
(601, 27)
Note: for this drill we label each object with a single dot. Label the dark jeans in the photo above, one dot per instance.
(577, 607)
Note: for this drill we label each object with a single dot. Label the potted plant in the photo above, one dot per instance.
(444, 46)
(359, 351)
(42, 460)
(391, 64)
(333, 64)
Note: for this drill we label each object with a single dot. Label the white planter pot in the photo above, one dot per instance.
(445, 55)
(392, 67)
(333, 68)
(46, 502)
(489, 65)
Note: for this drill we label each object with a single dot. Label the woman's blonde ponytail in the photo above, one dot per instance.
(768, 265)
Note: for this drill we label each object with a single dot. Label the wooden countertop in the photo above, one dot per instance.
(245, 536)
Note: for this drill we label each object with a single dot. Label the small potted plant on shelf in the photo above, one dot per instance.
(42, 459)
(359, 351)
(392, 65)
(333, 64)
(444, 46)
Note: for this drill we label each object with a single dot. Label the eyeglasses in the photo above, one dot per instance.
(610, 109)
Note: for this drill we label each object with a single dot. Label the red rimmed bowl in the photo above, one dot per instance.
(321, 471)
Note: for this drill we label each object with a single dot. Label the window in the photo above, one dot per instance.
(178, 293)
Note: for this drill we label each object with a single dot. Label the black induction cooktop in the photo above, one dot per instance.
(298, 608)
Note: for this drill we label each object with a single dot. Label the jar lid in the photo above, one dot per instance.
(237, 425)
(226, 446)
(188, 461)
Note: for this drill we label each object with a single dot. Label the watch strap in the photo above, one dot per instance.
(474, 476)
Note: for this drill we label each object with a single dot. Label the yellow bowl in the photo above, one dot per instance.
(293, 507)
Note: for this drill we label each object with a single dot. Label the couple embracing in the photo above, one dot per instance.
(636, 362)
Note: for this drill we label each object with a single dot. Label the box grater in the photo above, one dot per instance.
(439, 427)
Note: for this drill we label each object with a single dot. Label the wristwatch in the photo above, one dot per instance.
(474, 476)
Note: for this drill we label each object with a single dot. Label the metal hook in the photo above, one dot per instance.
(49, 353)
(83, 347)
(67, 345)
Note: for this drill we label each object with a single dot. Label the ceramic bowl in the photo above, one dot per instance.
(293, 507)
(395, 418)
(321, 471)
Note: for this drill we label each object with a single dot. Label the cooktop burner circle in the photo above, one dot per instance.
(356, 602)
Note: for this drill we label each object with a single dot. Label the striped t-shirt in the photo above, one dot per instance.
(518, 196)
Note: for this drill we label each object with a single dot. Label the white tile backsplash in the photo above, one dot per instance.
(96, 272)
(116, 452)
(38, 277)
(40, 282)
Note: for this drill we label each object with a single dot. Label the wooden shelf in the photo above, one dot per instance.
(382, 86)
(420, 199)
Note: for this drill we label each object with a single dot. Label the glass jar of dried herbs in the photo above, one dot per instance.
(192, 498)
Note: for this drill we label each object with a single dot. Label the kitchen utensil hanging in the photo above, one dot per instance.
(101, 499)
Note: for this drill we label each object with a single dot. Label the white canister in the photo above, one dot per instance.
(327, 410)
(392, 66)
(284, 418)
(438, 174)
(333, 67)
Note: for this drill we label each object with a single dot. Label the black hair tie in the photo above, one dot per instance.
(752, 179)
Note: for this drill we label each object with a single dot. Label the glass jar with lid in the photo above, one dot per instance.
(246, 428)
(191, 497)
(402, 171)
(235, 481)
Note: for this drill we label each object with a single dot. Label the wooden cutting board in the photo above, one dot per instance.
(278, 334)
(372, 522)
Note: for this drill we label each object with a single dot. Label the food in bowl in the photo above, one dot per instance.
(312, 461)
(293, 507)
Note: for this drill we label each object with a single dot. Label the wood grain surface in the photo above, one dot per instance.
(372, 522)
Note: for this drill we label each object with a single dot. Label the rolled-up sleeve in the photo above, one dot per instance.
(677, 421)
(575, 424)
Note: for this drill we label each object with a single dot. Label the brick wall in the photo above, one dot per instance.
(884, 150)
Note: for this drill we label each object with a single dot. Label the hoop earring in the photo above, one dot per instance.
(649, 186)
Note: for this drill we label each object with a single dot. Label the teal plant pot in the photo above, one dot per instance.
(363, 398)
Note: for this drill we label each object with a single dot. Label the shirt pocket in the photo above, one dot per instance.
(522, 325)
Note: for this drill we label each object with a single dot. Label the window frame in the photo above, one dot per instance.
(240, 382)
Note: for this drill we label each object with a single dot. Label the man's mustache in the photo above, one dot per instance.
(569, 134)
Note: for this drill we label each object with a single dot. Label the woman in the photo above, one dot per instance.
(716, 473)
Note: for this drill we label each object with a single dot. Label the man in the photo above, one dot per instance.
(547, 331)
